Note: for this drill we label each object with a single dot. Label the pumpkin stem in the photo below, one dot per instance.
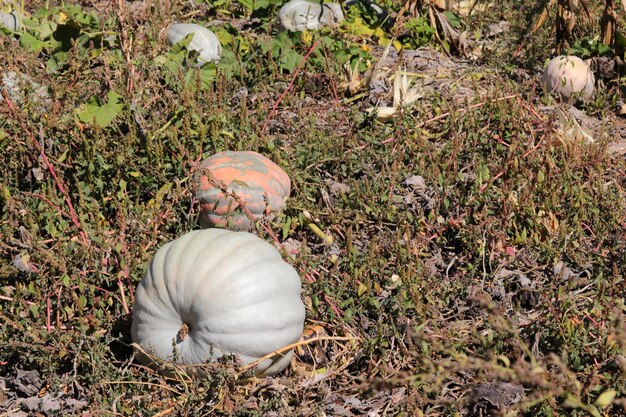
(182, 333)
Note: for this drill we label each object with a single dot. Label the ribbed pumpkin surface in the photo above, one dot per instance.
(258, 183)
(231, 292)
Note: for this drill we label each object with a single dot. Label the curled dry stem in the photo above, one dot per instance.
(295, 345)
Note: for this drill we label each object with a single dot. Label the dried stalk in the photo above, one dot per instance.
(609, 23)
(565, 22)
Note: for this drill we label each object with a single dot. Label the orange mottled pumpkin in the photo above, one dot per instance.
(258, 183)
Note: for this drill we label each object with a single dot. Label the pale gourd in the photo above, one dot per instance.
(569, 77)
(300, 15)
(215, 292)
(204, 41)
(10, 21)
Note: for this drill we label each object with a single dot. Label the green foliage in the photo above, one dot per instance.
(286, 52)
(282, 50)
(179, 64)
(254, 5)
(420, 32)
(60, 30)
(587, 48)
(363, 13)
(263, 9)
(102, 114)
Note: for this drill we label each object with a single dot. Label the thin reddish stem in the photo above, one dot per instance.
(48, 314)
(59, 183)
(330, 76)
(498, 175)
(293, 79)
(58, 318)
(47, 201)
(332, 306)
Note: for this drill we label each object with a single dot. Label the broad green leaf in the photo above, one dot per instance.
(620, 40)
(453, 19)
(253, 5)
(29, 41)
(78, 18)
(207, 74)
(102, 114)
(248, 4)
(45, 29)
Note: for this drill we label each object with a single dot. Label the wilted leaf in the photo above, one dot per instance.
(160, 195)
(28, 383)
(416, 182)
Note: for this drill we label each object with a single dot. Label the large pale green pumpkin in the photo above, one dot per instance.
(11, 20)
(215, 292)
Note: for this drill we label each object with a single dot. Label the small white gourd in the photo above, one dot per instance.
(10, 21)
(300, 15)
(214, 292)
(568, 76)
(204, 41)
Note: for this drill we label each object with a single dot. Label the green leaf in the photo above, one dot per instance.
(81, 303)
(160, 195)
(248, 4)
(453, 19)
(182, 45)
(80, 19)
(362, 289)
(30, 42)
(573, 401)
(620, 40)
(45, 29)
(102, 114)
(283, 51)
(254, 5)
(205, 75)
(34, 309)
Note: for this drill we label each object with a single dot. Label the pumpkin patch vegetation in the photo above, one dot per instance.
(381, 207)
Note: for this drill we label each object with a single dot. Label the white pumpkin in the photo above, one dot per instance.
(10, 21)
(300, 15)
(215, 292)
(204, 41)
(568, 76)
